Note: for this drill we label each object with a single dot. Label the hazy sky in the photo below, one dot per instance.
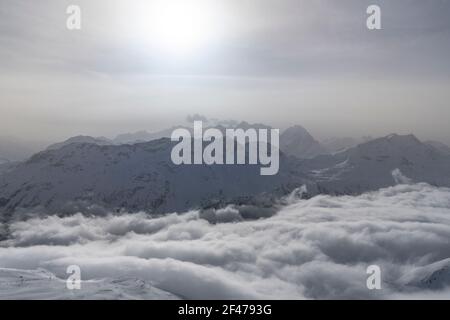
(280, 62)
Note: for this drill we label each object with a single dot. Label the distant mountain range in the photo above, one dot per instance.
(87, 174)
(295, 141)
(143, 136)
(101, 141)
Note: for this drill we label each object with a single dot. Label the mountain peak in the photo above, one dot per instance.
(297, 129)
(298, 142)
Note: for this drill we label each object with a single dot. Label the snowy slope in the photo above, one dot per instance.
(134, 177)
(435, 276)
(43, 285)
(296, 141)
(370, 166)
(7, 166)
(440, 146)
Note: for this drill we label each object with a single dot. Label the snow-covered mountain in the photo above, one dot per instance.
(134, 177)
(379, 163)
(101, 141)
(88, 177)
(43, 285)
(297, 141)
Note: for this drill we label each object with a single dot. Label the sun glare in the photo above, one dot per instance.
(180, 27)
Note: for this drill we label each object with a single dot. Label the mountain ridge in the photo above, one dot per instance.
(88, 177)
(135, 177)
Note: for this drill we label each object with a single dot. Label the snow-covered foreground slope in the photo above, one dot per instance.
(42, 285)
(318, 249)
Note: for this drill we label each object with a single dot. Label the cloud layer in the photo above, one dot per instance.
(315, 249)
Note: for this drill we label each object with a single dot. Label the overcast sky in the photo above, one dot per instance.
(279, 62)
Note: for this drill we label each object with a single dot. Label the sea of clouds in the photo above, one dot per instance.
(315, 249)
